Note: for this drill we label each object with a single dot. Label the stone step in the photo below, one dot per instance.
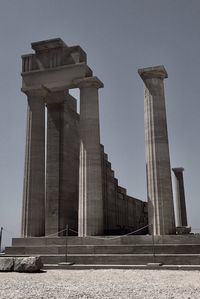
(124, 267)
(106, 249)
(122, 259)
(125, 259)
(115, 240)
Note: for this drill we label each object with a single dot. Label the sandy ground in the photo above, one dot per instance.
(101, 284)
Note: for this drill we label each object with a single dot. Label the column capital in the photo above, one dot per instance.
(153, 72)
(39, 92)
(89, 82)
(54, 97)
(178, 169)
(45, 93)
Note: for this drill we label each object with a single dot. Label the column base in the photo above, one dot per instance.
(183, 230)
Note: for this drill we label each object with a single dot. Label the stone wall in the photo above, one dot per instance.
(122, 213)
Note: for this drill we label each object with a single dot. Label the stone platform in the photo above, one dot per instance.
(124, 250)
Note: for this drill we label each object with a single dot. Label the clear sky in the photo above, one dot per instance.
(119, 37)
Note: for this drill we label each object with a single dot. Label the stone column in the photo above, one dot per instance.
(62, 164)
(159, 185)
(90, 172)
(69, 166)
(33, 218)
(181, 214)
(53, 168)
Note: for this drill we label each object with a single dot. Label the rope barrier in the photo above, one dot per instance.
(104, 238)
(95, 237)
(74, 231)
(107, 237)
(55, 233)
(117, 237)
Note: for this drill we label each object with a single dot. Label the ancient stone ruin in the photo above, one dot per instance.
(68, 179)
(71, 196)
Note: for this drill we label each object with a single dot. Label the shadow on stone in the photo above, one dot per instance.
(6, 264)
(28, 264)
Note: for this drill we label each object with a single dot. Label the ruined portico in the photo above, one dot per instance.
(47, 76)
(68, 179)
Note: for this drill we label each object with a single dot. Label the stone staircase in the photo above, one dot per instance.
(126, 250)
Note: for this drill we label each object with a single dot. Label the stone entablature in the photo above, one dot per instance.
(51, 54)
(54, 66)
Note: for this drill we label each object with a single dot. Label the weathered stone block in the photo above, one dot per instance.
(6, 264)
(28, 264)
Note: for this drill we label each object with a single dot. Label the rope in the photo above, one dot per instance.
(54, 233)
(101, 238)
(74, 231)
(118, 237)
(104, 238)
(112, 238)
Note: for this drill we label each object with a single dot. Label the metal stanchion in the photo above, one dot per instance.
(153, 264)
(66, 243)
(66, 263)
(153, 243)
(1, 233)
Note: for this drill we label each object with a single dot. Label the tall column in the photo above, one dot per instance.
(34, 175)
(181, 214)
(90, 172)
(62, 164)
(159, 185)
(69, 166)
(53, 168)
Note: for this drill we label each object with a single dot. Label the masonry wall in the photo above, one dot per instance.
(122, 213)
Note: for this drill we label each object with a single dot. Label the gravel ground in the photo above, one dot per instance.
(101, 284)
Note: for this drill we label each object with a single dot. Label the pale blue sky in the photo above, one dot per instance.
(119, 37)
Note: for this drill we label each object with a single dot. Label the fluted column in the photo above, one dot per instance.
(159, 185)
(90, 172)
(181, 213)
(33, 219)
